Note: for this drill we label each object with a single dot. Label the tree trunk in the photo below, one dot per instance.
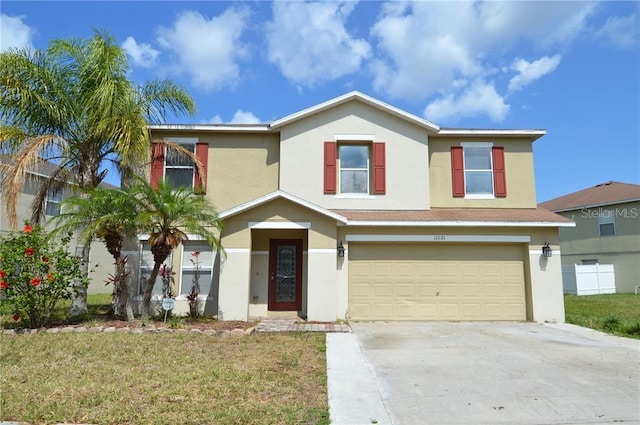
(79, 298)
(146, 300)
(124, 300)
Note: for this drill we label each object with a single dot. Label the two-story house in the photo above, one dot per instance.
(354, 209)
(607, 231)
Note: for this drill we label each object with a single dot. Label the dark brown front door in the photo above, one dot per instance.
(285, 275)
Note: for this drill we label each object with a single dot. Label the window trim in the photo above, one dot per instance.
(459, 170)
(376, 167)
(186, 266)
(181, 141)
(340, 169)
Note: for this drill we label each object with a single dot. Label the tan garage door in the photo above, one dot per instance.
(436, 282)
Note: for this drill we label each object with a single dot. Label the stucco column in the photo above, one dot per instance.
(321, 285)
(233, 293)
(546, 286)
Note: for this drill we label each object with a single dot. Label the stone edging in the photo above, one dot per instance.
(238, 332)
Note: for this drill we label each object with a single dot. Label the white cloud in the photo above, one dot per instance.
(15, 33)
(242, 117)
(207, 50)
(309, 42)
(528, 72)
(620, 31)
(239, 117)
(437, 48)
(141, 54)
(479, 99)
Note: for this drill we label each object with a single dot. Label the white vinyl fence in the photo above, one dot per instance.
(588, 279)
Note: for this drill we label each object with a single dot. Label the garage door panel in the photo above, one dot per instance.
(444, 282)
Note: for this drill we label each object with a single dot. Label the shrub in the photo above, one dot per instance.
(35, 274)
(633, 329)
(611, 323)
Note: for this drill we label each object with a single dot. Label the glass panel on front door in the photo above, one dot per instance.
(286, 274)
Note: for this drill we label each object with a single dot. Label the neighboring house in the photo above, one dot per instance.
(607, 231)
(354, 209)
(101, 262)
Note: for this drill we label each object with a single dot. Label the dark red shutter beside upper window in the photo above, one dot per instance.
(202, 153)
(379, 176)
(457, 171)
(499, 178)
(157, 164)
(330, 171)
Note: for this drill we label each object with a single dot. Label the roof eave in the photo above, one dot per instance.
(531, 134)
(363, 98)
(403, 223)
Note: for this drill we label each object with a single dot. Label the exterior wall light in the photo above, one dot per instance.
(546, 250)
(340, 249)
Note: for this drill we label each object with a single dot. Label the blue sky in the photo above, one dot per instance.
(570, 67)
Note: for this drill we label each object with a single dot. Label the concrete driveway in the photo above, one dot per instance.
(482, 373)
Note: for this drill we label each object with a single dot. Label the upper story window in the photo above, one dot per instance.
(54, 199)
(179, 169)
(354, 168)
(176, 167)
(606, 223)
(478, 170)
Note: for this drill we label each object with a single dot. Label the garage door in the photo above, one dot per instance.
(436, 282)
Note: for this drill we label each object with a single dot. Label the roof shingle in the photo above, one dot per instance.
(602, 194)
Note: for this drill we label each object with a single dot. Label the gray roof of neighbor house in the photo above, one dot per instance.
(45, 168)
(599, 195)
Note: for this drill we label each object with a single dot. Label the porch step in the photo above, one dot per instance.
(290, 324)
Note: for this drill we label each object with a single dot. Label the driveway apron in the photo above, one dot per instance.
(496, 373)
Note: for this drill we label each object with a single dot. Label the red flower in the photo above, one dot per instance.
(45, 259)
(15, 317)
(195, 253)
(3, 284)
(28, 229)
(29, 251)
(35, 281)
(2, 273)
(50, 277)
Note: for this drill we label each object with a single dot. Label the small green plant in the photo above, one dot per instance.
(633, 329)
(36, 273)
(611, 323)
(195, 285)
(175, 322)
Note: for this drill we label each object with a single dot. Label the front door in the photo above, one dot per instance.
(285, 275)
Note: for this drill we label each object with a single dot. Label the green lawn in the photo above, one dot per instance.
(163, 379)
(617, 314)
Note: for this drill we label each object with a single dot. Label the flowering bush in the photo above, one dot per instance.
(35, 274)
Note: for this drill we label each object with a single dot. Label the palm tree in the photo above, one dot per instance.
(74, 106)
(107, 214)
(169, 216)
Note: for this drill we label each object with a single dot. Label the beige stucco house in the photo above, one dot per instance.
(354, 209)
(607, 231)
(101, 262)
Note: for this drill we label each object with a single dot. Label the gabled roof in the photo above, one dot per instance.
(458, 217)
(279, 194)
(355, 95)
(600, 195)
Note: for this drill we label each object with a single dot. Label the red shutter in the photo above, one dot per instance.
(457, 171)
(330, 171)
(499, 177)
(379, 178)
(202, 153)
(157, 164)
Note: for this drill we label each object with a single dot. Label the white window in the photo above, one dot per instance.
(606, 223)
(179, 169)
(354, 168)
(54, 198)
(146, 267)
(478, 169)
(197, 263)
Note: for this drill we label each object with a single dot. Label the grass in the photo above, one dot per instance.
(163, 379)
(617, 314)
